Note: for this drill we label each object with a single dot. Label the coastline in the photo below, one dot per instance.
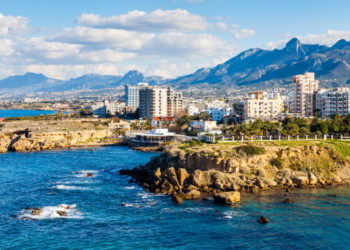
(195, 172)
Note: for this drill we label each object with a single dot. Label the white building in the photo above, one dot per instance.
(203, 125)
(333, 102)
(305, 88)
(259, 106)
(192, 110)
(99, 109)
(218, 115)
(105, 108)
(132, 95)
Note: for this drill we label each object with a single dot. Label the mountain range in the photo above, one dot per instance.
(253, 66)
(279, 65)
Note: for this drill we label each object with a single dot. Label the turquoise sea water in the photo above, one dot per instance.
(317, 220)
(19, 113)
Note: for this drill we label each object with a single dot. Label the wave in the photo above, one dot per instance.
(62, 211)
(131, 205)
(65, 187)
(86, 173)
(74, 182)
(145, 195)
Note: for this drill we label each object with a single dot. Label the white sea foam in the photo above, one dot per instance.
(233, 214)
(65, 187)
(145, 195)
(131, 205)
(130, 188)
(51, 212)
(84, 173)
(74, 182)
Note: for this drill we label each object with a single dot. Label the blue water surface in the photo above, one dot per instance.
(317, 219)
(19, 113)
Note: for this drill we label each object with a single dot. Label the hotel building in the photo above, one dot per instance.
(333, 102)
(260, 106)
(305, 88)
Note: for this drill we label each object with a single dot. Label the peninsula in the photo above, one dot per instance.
(191, 170)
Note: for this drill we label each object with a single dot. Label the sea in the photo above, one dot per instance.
(19, 113)
(105, 211)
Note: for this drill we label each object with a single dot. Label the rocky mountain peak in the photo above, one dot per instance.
(294, 45)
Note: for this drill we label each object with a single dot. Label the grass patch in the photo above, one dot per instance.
(342, 148)
(190, 144)
(250, 150)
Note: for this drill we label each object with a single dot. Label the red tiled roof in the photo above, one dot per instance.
(163, 118)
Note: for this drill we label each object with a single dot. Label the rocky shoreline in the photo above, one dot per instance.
(224, 172)
(17, 142)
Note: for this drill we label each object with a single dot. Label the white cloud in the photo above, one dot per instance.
(243, 33)
(6, 47)
(276, 45)
(329, 38)
(158, 20)
(106, 55)
(165, 43)
(58, 52)
(179, 44)
(51, 50)
(123, 39)
(10, 25)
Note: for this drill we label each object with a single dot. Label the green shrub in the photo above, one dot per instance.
(250, 150)
(277, 162)
(190, 144)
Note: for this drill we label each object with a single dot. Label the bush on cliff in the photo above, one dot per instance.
(250, 150)
(277, 162)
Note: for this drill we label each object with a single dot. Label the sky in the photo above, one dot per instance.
(65, 39)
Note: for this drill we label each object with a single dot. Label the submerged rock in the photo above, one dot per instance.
(62, 213)
(263, 220)
(288, 201)
(36, 211)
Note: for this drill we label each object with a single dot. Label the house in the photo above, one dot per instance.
(162, 121)
(202, 125)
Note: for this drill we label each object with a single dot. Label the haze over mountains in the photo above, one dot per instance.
(252, 66)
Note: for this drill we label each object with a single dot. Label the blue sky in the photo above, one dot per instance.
(65, 39)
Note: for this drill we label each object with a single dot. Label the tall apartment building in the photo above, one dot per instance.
(332, 102)
(153, 102)
(132, 95)
(305, 88)
(175, 102)
(260, 106)
(159, 102)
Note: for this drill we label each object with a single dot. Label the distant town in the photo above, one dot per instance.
(164, 114)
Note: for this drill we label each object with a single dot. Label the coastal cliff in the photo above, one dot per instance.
(53, 140)
(34, 134)
(187, 170)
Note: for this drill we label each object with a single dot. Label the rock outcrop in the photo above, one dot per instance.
(224, 171)
(227, 197)
(49, 141)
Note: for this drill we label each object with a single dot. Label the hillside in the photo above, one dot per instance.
(258, 65)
